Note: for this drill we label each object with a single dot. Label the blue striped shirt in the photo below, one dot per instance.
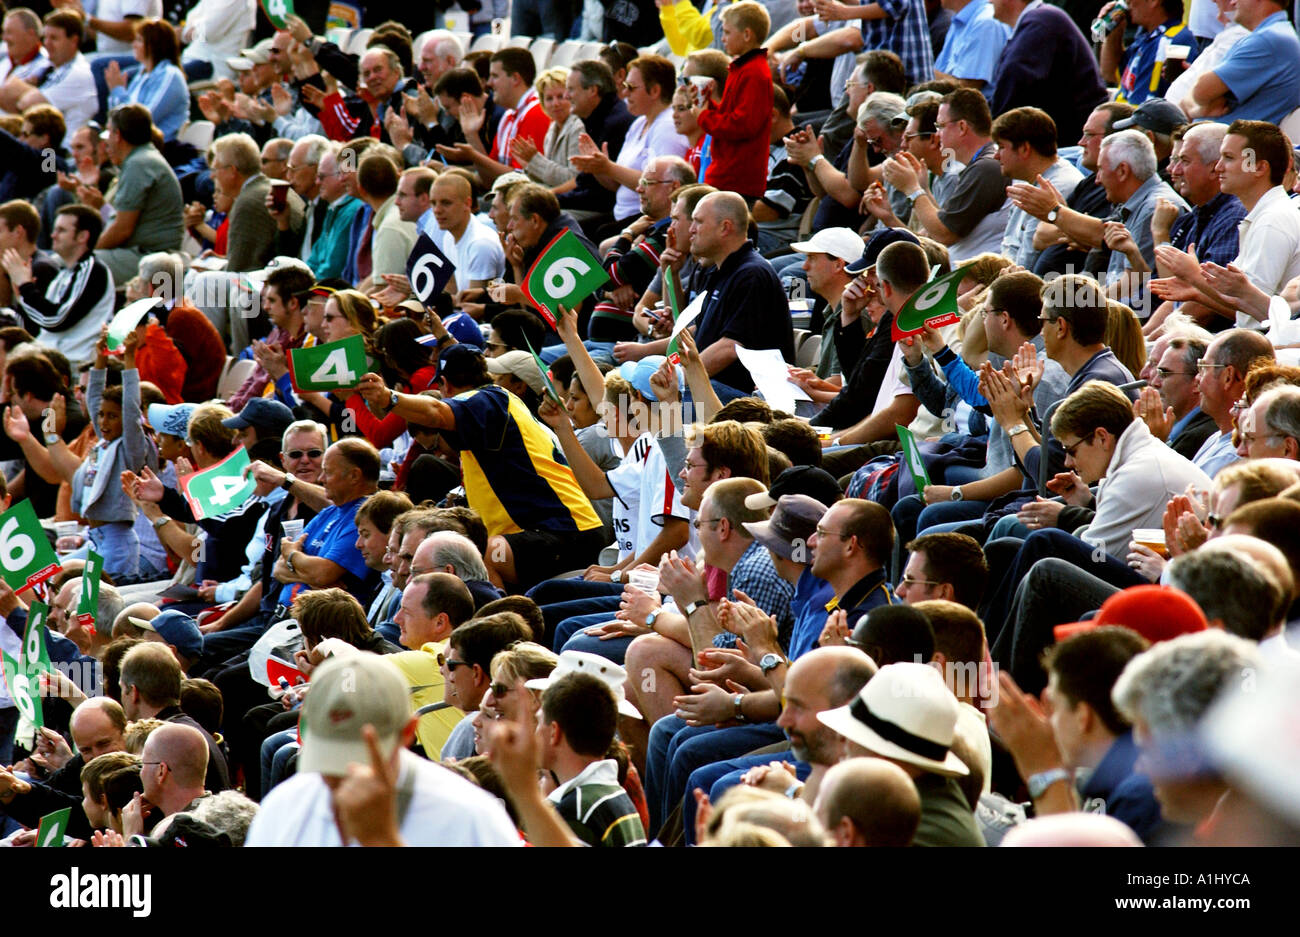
(163, 90)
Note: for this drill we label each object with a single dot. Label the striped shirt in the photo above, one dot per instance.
(597, 808)
(514, 474)
(163, 90)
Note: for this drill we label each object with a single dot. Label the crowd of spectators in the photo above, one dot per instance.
(784, 576)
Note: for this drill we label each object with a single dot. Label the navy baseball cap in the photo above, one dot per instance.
(878, 241)
(177, 629)
(459, 357)
(263, 413)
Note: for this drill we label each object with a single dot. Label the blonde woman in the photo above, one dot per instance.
(561, 141)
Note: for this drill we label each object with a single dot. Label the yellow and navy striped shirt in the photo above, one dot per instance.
(514, 474)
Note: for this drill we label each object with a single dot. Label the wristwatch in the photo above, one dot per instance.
(694, 607)
(956, 493)
(769, 662)
(812, 163)
(913, 196)
(52, 438)
(1040, 782)
(650, 619)
(392, 402)
(288, 561)
(160, 522)
(1051, 215)
(288, 481)
(1016, 430)
(616, 576)
(735, 701)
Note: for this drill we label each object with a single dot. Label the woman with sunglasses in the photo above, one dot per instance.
(348, 313)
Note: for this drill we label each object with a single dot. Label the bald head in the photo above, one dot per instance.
(184, 751)
(456, 186)
(98, 726)
(122, 626)
(869, 802)
(728, 207)
(1259, 553)
(1072, 829)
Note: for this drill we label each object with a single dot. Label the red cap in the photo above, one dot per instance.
(1158, 613)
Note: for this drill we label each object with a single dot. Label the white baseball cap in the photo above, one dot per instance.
(837, 242)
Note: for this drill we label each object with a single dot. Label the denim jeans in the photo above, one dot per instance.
(271, 748)
(573, 627)
(601, 352)
(613, 649)
(675, 750)
(912, 516)
(563, 599)
(718, 778)
(118, 544)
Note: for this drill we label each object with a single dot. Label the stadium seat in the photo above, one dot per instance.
(566, 53)
(234, 375)
(487, 42)
(542, 49)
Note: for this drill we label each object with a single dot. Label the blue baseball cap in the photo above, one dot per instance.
(263, 413)
(877, 243)
(638, 374)
(172, 419)
(177, 629)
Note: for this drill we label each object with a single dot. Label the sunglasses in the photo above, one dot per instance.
(309, 453)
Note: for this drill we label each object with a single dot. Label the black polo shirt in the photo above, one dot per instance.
(746, 303)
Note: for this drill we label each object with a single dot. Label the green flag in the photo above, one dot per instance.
(26, 556)
(221, 488)
(34, 656)
(277, 11)
(88, 607)
(332, 366)
(934, 304)
(564, 274)
(675, 307)
(546, 375)
(23, 690)
(913, 456)
(52, 825)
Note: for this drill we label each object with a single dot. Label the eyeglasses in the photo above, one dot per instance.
(501, 345)
(697, 522)
(918, 582)
(823, 532)
(500, 689)
(1165, 373)
(913, 136)
(692, 466)
(1203, 366)
(309, 453)
(631, 87)
(649, 182)
(450, 662)
(1214, 521)
(1072, 449)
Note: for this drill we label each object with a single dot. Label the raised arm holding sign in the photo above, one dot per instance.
(221, 488)
(428, 269)
(564, 274)
(331, 366)
(934, 304)
(26, 557)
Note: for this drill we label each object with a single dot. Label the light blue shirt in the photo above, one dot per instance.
(1262, 72)
(163, 90)
(974, 43)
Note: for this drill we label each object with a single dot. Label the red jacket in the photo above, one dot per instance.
(740, 126)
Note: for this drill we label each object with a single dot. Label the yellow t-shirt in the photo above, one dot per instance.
(424, 677)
